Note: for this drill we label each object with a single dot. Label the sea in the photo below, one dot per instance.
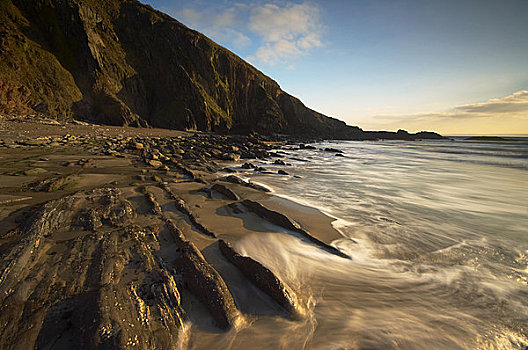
(438, 235)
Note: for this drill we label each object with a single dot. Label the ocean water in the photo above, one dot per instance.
(438, 234)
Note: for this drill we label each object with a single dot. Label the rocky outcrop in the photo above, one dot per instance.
(207, 285)
(263, 278)
(282, 220)
(81, 274)
(123, 63)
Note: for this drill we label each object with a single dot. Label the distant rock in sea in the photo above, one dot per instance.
(485, 138)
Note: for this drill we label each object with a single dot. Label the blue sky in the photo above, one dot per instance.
(457, 67)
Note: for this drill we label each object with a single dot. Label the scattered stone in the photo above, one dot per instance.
(279, 162)
(282, 172)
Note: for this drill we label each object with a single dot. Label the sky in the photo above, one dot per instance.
(451, 66)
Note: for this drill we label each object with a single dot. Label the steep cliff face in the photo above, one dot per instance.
(121, 62)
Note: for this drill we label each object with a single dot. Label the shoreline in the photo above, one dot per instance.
(141, 212)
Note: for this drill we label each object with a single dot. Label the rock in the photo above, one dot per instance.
(282, 172)
(156, 209)
(236, 180)
(50, 185)
(334, 150)
(35, 142)
(283, 221)
(225, 191)
(154, 163)
(339, 155)
(257, 187)
(231, 157)
(299, 159)
(261, 169)
(248, 166)
(136, 145)
(486, 138)
(35, 171)
(279, 162)
(302, 146)
(207, 285)
(263, 278)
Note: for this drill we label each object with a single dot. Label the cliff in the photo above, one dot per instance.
(120, 62)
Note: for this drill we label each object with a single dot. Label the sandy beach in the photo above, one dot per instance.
(129, 236)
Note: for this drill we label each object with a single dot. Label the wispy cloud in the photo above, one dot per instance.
(269, 33)
(286, 32)
(495, 114)
(512, 106)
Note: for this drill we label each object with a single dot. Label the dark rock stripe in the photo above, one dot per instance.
(283, 221)
(207, 285)
(263, 278)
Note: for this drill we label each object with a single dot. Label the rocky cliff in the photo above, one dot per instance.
(121, 62)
